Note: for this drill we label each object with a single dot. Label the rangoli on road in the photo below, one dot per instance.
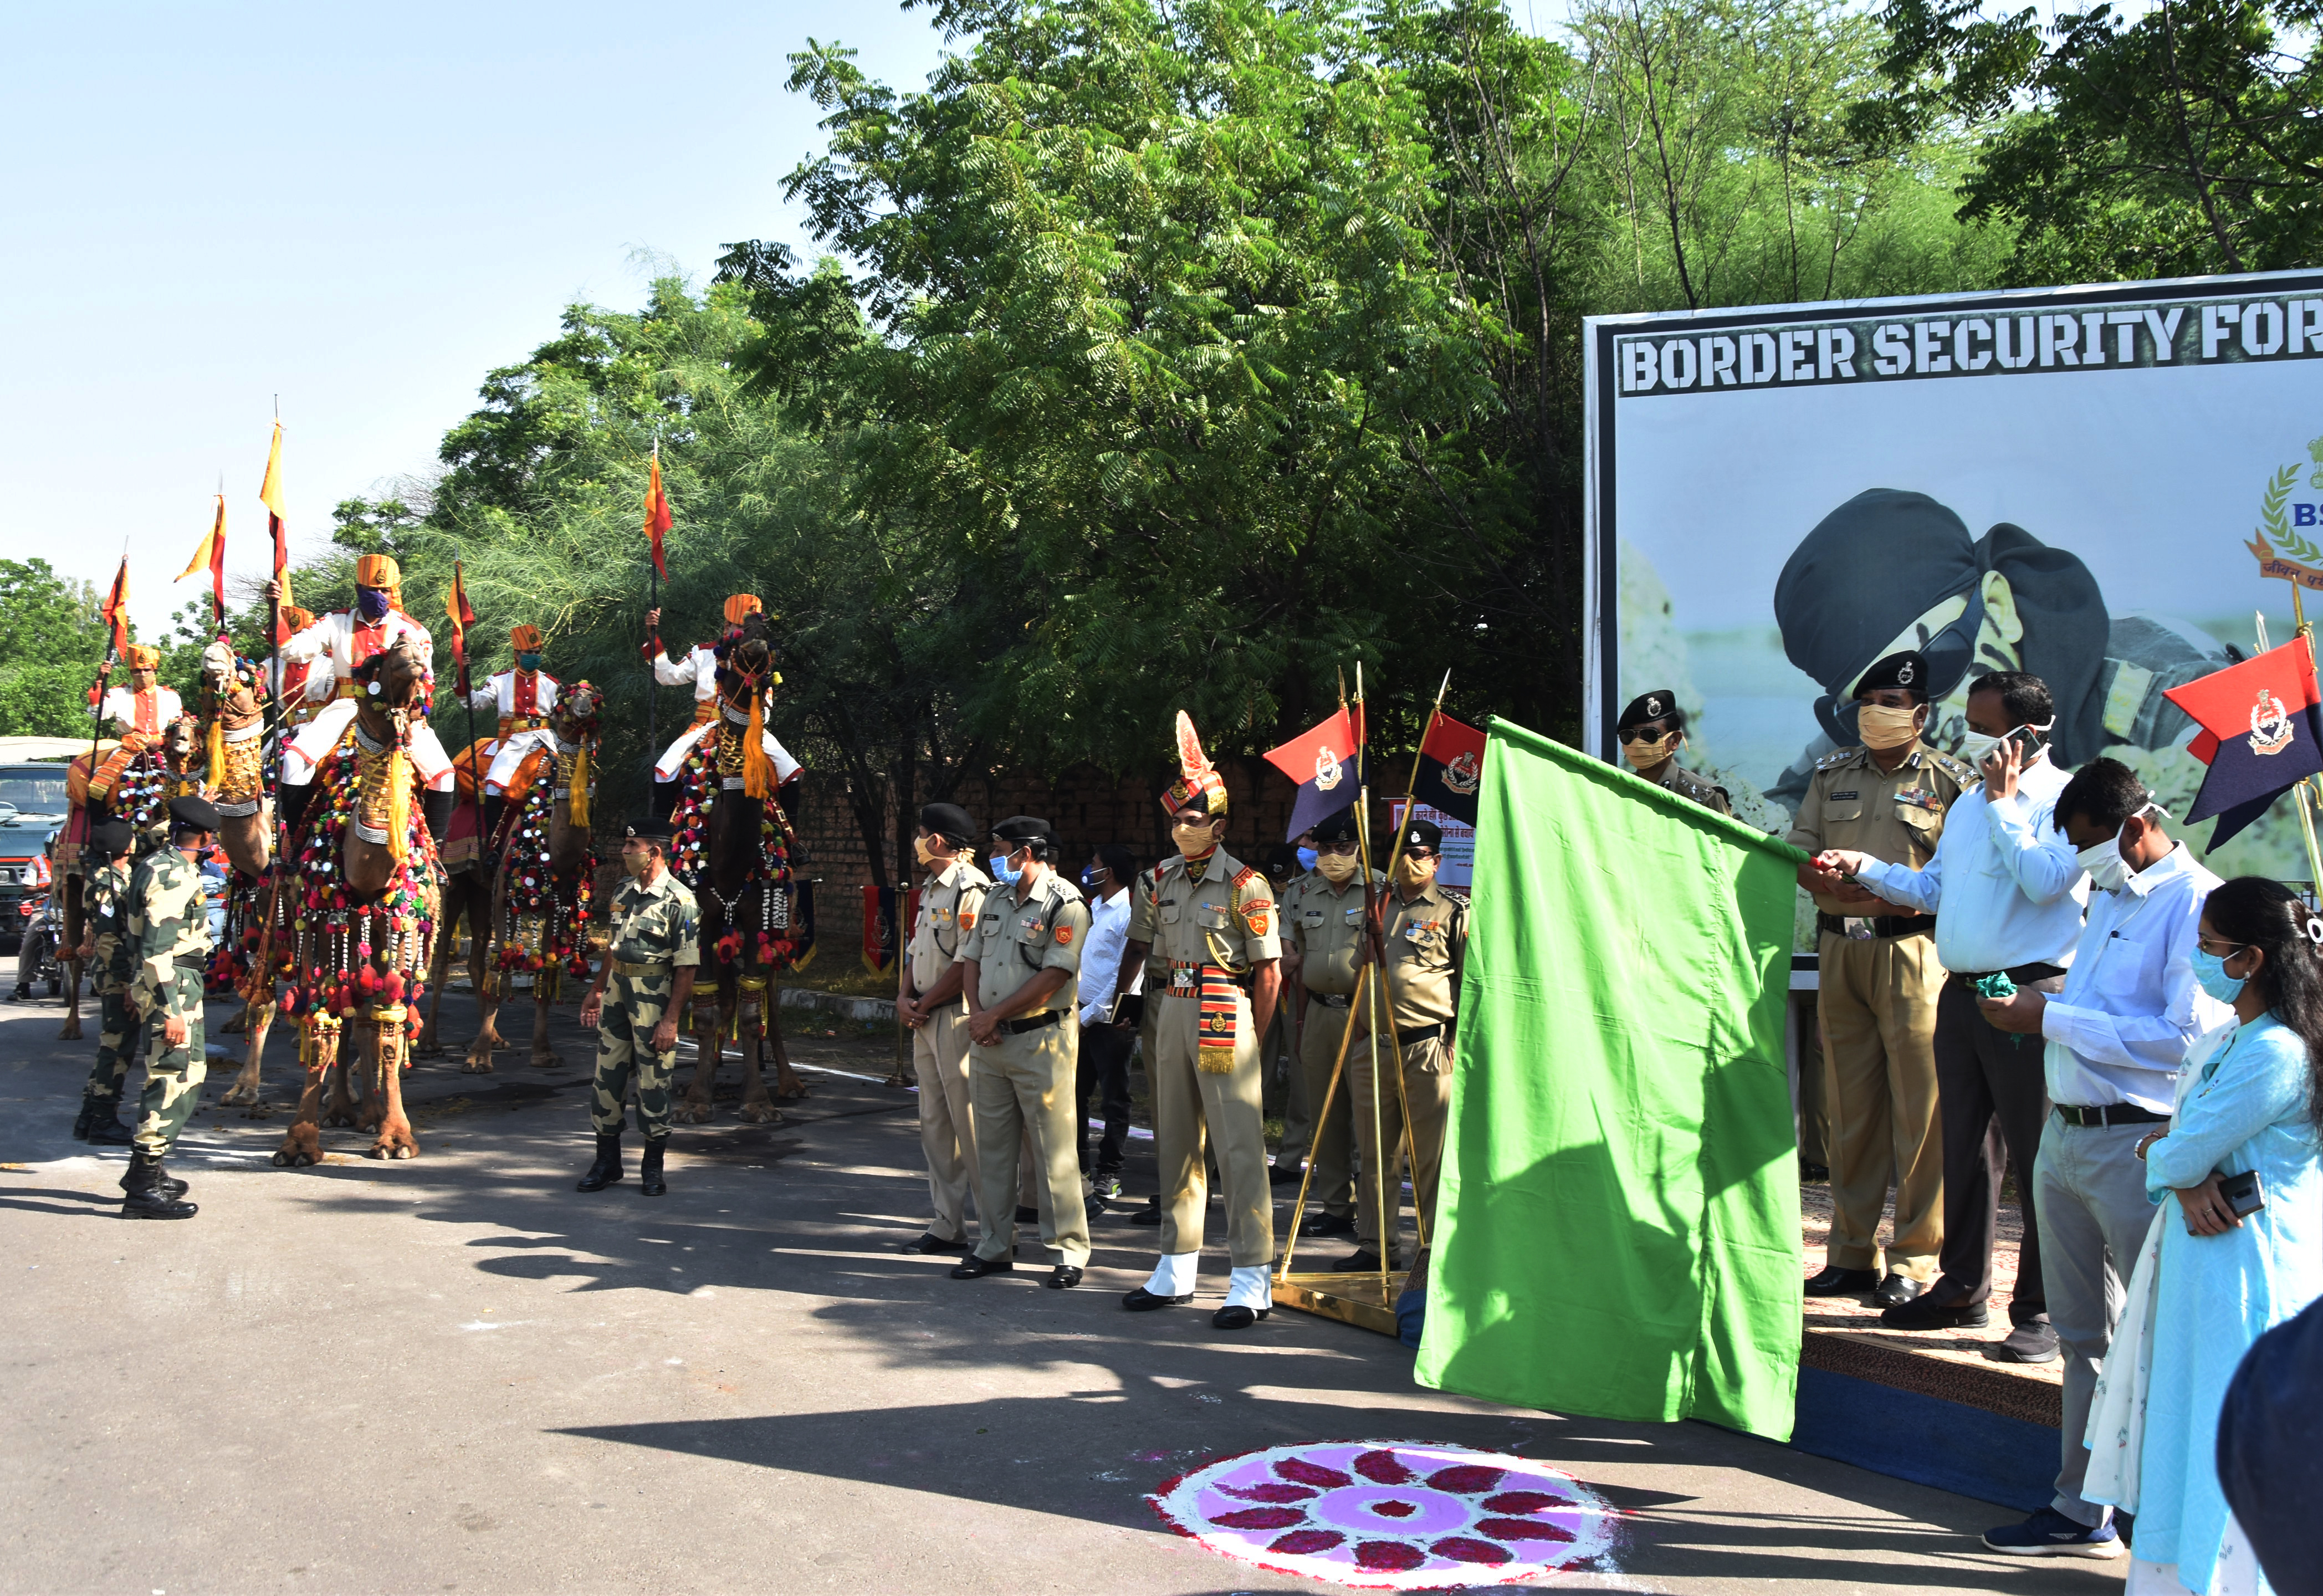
(1391, 1515)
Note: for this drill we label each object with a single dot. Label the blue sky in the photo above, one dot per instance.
(360, 209)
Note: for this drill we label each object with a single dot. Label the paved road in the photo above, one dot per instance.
(458, 1375)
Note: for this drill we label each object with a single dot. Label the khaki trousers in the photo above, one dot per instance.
(1428, 1093)
(1878, 1004)
(946, 1120)
(1024, 1086)
(1192, 1108)
(1332, 1186)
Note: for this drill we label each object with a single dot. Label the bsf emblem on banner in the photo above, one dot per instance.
(1463, 775)
(2270, 723)
(1328, 769)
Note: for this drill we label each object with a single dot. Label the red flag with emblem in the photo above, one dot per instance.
(2262, 734)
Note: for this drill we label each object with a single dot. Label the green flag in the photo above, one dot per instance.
(1619, 1225)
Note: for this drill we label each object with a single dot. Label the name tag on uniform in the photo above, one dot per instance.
(1311, 918)
(1842, 797)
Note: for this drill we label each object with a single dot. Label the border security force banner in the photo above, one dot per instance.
(2102, 486)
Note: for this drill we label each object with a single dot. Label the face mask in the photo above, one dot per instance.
(527, 662)
(1338, 869)
(1646, 752)
(633, 861)
(919, 850)
(1307, 858)
(371, 604)
(1196, 842)
(1002, 873)
(1090, 878)
(1413, 872)
(2210, 974)
(1975, 746)
(2107, 869)
(1881, 726)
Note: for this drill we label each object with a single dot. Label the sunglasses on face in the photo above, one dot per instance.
(1653, 731)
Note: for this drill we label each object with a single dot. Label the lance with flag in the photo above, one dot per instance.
(2262, 734)
(278, 528)
(657, 523)
(1451, 765)
(115, 612)
(463, 616)
(211, 557)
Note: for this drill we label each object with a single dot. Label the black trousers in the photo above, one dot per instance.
(1992, 1099)
(1105, 1070)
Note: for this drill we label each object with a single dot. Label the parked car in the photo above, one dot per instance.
(32, 810)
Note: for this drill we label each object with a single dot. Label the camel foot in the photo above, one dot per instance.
(393, 1145)
(338, 1119)
(762, 1113)
(301, 1146)
(690, 1112)
(234, 1025)
(796, 1092)
(239, 1096)
(72, 1033)
(475, 1066)
(370, 1118)
(546, 1062)
(429, 1049)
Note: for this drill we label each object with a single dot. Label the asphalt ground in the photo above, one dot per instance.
(456, 1373)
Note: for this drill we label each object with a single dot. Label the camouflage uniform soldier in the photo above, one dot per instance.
(168, 923)
(105, 948)
(650, 962)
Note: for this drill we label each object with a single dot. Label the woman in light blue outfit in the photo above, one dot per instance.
(2223, 1281)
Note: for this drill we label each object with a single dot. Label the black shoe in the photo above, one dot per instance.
(1327, 1225)
(1234, 1316)
(1063, 1277)
(1151, 1213)
(85, 1118)
(1924, 1315)
(933, 1242)
(972, 1268)
(608, 1167)
(1141, 1301)
(1025, 1215)
(649, 1180)
(1897, 1290)
(1362, 1261)
(105, 1126)
(1814, 1174)
(1285, 1175)
(2033, 1343)
(1841, 1282)
(146, 1198)
(163, 1181)
(23, 994)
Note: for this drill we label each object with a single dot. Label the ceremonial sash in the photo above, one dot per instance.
(1215, 1055)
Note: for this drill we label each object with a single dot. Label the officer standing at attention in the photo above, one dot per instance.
(928, 1000)
(649, 964)
(169, 924)
(1322, 937)
(105, 948)
(1887, 797)
(1427, 936)
(1652, 731)
(1212, 918)
(1022, 979)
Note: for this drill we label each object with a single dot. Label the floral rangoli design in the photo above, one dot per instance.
(1391, 1515)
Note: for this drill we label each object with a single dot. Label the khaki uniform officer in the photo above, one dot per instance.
(1652, 731)
(1322, 940)
(1212, 918)
(1023, 1056)
(649, 968)
(104, 946)
(1887, 797)
(928, 997)
(169, 929)
(1427, 936)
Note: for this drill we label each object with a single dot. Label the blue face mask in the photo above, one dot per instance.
(2210, 974)
(1307, 858)
(1090, 878)
(371, 604)
(527, 662)
(1002, 873)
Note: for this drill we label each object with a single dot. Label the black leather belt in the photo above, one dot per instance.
(1333, 1000)
(1882, 925)
(191, 961)
(2108, 1114)
(1019, 1027)
(1408, 1034)
(2022, 973)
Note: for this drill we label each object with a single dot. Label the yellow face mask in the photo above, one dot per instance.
(1880, 726)
(1196, 842)
(1646, 752)
(1415, 873)
(920, 849)
(1338, 869)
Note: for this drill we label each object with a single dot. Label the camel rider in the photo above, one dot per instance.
(168, 931)
(523, 698)
(105, 948)
(347, 639)
(304, 686)
(701, 666)
(143, 707)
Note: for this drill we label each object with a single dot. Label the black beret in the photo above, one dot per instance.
(1907, 670)
(1660, 704)
(1023, 827)
(193, 814)
(949, 821)
(651, 828)
(112, 837)
(1337, 827)
(1425, 834)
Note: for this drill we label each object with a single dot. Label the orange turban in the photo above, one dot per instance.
(138, 657)
(1199, 786)
(742, 606)
(526, 638)
(378, 570)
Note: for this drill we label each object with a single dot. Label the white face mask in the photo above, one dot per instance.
(1975, 746)
(2107, 869)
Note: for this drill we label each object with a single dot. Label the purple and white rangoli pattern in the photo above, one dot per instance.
(1391, 1515)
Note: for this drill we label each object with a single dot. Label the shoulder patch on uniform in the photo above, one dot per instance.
(1064, 936)
(967, 919)
(1243, 876)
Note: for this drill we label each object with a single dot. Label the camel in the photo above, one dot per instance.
(534, 910)
(359, 866)
(742, 885)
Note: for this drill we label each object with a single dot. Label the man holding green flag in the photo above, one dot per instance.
(1619, 1218)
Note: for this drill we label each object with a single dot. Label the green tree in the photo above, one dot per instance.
(52, 641)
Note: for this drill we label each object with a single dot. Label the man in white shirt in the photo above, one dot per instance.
(698, 667)
(2006, 892)
(523, 699)
(346, 638)
(145, 707)
(2117, 1034)
(1106, 1041)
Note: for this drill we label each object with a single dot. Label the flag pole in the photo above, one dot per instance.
(652, 640)
(2307, 788)
(476, 788)
(1372, 932)
(1411, 787)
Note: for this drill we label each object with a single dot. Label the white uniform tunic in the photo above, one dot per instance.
(523, 701)
(347, 643)
(700, 666)
(149, 711)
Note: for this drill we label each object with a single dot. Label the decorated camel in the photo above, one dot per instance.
(530, 914)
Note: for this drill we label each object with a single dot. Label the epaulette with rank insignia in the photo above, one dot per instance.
(1839, 757)
(1958, 768)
